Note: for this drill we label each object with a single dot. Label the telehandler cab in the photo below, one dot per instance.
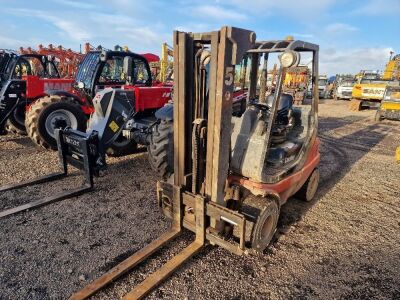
(231, 175)
(23, 79)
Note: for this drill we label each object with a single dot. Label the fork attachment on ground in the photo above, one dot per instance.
(74, 148)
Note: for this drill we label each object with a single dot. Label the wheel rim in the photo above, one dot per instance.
(267, 227)
(312, 185)
(60, 118)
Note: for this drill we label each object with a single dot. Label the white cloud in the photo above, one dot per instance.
(72, 29)
(101, 28)
(69, 27)
(76, 4)
(302, 35)
(333, 61)
(218, 12)
(10, 43)
(299, 9)
(338, 28)
(379, 7)
(143, 36)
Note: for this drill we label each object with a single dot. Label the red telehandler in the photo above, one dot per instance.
(32, 84)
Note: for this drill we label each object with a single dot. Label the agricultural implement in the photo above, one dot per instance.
(231, 175)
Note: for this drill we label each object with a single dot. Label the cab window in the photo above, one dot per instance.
(28, 66)
(140, 71)
(112, 71)
(51, 70)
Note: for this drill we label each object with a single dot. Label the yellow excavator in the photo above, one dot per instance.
(369, 90)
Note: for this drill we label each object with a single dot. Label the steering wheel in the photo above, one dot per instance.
(260, 106)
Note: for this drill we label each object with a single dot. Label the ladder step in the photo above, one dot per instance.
(164, 272)
(125, 266)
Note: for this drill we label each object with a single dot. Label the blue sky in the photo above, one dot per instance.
(352, 35)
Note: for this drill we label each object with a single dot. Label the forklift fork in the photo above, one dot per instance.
(75, 148)
(168, 268)
(203, 210)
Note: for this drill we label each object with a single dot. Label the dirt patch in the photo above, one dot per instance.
(345, 244)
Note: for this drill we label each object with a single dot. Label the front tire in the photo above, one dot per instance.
(49, 113)
(262, 214)
(16, 121)
(161, 148)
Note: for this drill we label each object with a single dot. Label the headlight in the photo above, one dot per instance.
(289, 58)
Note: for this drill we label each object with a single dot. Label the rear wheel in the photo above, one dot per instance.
(16, 121)
(309, 188)
(50, 113)
(355, 105)
(161, 148)
(262, 214)
(122, 146)
(378, 116)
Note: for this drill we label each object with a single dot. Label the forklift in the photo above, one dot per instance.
(231, 174)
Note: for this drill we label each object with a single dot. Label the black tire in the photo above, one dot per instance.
(44, 110)
(16, 121)
(122, 146)
(262, 214)
(378, 116)
(309, 188)
(161, 149)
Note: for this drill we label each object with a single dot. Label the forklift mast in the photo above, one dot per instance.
(206, 105)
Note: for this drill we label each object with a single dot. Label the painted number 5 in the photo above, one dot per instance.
(229, 76)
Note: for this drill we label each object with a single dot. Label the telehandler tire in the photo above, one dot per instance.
(161, 148)
(122, 146)
(51, 112)
(16, 121)
(309, 188)
(262, 214)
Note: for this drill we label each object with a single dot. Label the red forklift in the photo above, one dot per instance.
(231, 175)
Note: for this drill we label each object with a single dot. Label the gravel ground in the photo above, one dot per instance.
(345, 244)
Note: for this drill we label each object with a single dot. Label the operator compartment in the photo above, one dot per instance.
(266, 150)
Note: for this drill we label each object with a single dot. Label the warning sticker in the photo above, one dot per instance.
(114, 126)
